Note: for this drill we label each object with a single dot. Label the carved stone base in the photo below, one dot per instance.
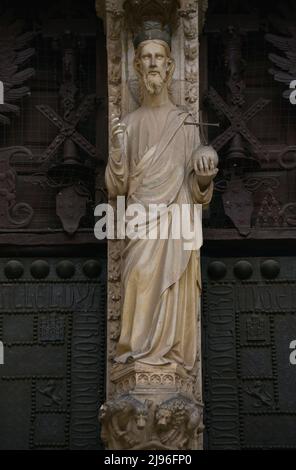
(153, 408)
(144, 379)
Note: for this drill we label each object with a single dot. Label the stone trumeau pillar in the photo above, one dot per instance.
(149, 407)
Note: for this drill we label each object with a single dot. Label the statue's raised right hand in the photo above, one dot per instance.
(117, 133)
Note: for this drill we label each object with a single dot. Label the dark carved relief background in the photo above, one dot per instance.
(54, 148)
(249, 321)
(52, 324)
(53, 285)
(249, 49)
(249, 260)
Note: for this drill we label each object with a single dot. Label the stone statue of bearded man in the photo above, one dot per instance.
(156, 158)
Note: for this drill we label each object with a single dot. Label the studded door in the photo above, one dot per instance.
(249, 322)
(52, 324)
(53, 144)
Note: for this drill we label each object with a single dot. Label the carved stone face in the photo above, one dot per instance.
(154, 66)
(141, 419)
(163, 418)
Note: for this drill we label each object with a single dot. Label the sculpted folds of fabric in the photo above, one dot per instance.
(160, 279)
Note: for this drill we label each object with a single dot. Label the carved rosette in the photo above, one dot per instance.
(148, 407)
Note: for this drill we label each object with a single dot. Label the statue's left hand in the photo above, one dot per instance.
(205, 165)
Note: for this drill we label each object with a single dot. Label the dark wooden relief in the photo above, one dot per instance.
(52, 297)
(57, 54)
(283, 60)
(249, 321)
(13, 214)
(52, 324)
(15, 54)
(249, 302)
(255, 193)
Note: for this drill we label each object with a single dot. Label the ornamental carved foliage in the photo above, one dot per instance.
(283, 71)
(114, 25)
(283, 62)
(13, 214)
(14, 55)
(188, 14)
(14, 72)
(129, 423)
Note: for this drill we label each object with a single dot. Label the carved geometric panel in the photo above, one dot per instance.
(249, 321)
(53, 330)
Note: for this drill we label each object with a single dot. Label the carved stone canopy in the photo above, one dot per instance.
(116, 6)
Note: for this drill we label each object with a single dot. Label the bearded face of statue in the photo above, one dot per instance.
(154, 66)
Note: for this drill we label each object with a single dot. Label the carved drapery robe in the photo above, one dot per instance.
(161, 280)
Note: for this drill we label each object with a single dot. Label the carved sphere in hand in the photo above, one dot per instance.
(209, 152)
